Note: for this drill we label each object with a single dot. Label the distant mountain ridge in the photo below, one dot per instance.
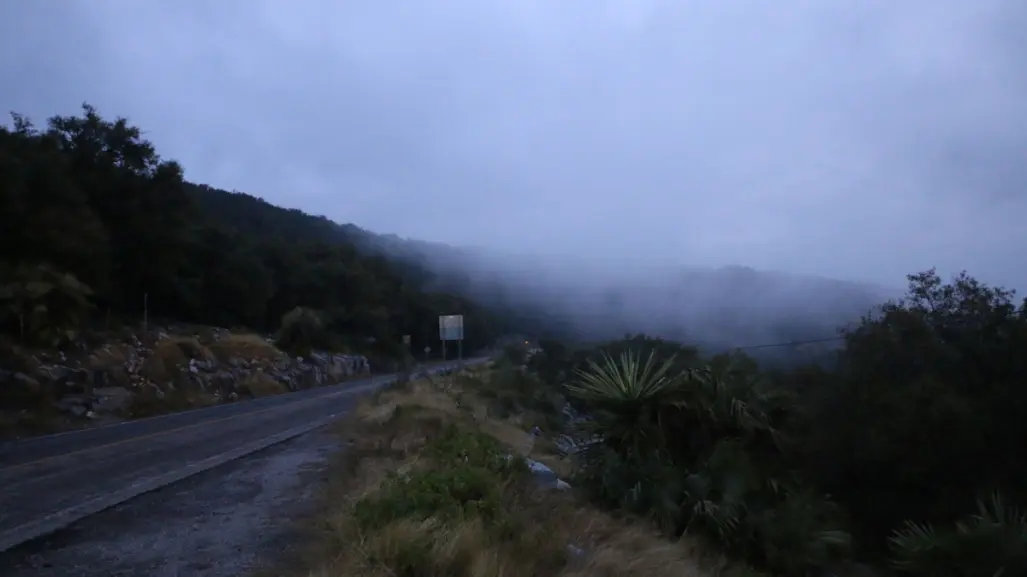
(588, 298)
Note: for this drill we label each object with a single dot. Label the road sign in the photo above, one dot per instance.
(406, 340)
(427, 350)
(451, 328)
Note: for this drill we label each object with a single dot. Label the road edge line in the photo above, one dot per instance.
(41, 527)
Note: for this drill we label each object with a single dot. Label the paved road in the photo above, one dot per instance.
(50, 482)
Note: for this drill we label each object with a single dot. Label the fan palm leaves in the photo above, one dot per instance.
(624, 381)
(626, 397)
(989, 543)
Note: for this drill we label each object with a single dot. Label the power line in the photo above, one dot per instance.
(970, 323)
(790, 343)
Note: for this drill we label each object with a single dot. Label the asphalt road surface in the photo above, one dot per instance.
(50, 482)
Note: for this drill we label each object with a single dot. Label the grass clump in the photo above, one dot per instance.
(248, 346)
(467, 483)
(170, 357)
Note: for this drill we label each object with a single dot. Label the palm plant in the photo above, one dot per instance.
(989, 543)
(695, 450)
(624, 459)
(626, 397)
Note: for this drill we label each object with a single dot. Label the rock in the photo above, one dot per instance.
(74, 404)
(56, 373)
(576, 556)
(26, 382)
(111, 399)
(104, 379)
(545, 476)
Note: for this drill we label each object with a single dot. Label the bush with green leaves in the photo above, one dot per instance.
(468, 474)
(927, 411)
(47, 306)
(302, 330)
(511, 390)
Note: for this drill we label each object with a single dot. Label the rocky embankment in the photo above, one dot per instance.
(137, 375)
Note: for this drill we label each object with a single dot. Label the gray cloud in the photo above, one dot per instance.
(852, 139)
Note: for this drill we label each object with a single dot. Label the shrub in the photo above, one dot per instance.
(991, 542)
(516, 353)
(471, 469)
(47, 306)
(302, 331)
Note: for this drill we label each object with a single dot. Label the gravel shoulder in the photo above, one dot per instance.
(228, 521)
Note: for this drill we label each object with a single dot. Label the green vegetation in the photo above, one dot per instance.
(908, 456)
(467, 483)
(433, 484)
(99, 228)
(902, 460)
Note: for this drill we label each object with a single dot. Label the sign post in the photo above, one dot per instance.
(451, 328)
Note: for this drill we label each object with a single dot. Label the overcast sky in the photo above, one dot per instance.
(851, 138)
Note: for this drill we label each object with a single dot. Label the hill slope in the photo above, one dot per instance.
(88, 197)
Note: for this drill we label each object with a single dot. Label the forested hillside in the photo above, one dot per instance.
(89, 197)
(98, 226)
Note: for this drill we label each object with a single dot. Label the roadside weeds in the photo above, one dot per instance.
(433, 484)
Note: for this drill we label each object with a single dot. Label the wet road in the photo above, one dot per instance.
(50, 482)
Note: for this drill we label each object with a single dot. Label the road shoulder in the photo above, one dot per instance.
(224, 522)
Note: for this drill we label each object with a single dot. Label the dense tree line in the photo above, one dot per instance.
(907, 453)
(96, 225)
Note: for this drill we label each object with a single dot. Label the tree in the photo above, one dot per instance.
(942, 371)
(46, 305)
